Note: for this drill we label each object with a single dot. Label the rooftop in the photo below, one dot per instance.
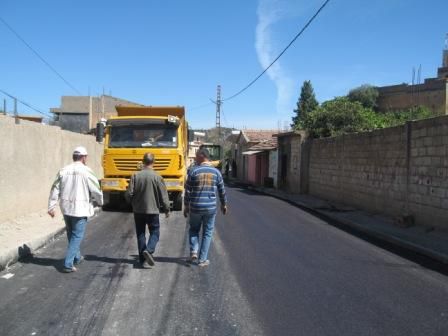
(265, 145)
(258, 135)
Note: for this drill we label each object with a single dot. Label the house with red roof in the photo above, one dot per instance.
(254, 156)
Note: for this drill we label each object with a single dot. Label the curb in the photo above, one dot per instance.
(402, 243)
(13, 255)
(405, 244)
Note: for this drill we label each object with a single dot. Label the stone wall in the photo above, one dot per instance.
(32, 154)
(396, 171)
(428, 173)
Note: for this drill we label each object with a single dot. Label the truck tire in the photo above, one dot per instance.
(177, 202)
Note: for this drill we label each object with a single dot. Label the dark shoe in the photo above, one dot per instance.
(204, 263)
(193, 257)
(148, 257)
(69, 270)
(80, 260)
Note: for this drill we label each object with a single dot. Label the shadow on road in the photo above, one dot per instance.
(91, 257)
(58, 264)
(183, 261)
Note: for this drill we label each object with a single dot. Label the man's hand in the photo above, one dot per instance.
(167, 214)
(186, 211)
(224, 209)
(51, 213)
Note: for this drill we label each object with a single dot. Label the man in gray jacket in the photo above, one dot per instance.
(148, 195)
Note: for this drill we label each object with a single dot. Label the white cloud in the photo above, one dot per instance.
(269, 13)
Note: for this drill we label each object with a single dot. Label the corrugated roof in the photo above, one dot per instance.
(266, 145)
(258, 135)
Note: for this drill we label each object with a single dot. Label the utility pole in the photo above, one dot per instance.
(218, 103)
(16, 115)
(218, 111)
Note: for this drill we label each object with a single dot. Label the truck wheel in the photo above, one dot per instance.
(177, 202)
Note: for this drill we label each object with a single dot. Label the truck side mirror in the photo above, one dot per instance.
(99, 132)
(190, 135)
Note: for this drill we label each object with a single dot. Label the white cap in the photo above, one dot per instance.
(80, 151)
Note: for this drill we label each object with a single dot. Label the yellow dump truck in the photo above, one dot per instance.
(161, 130)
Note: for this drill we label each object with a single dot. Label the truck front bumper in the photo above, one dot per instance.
(121, 184)
(114, 184)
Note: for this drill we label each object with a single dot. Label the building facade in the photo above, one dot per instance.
(81, 113)
(433, 93)
(245, 156)
(291, 167)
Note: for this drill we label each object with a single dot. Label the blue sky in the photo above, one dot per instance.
(175, 52)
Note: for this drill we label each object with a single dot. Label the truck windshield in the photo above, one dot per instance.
(146, 135)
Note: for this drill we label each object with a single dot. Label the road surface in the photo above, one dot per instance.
(275, 270)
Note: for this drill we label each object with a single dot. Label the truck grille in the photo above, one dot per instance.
(135, 164)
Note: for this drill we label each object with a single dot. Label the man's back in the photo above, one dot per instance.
(202, 184)
(148, 192)
(74, 186)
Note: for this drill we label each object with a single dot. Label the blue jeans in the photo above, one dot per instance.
(207, 222)
(153, 223)
(76, 227)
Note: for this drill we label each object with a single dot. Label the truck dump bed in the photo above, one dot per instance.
(149, 111)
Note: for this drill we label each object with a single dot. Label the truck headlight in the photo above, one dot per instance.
(110, 183)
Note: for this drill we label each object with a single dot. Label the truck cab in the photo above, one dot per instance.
(137, 130)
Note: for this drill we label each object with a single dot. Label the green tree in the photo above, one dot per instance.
(339, 116)
(305, 105)
(366, 94)
(399, 117)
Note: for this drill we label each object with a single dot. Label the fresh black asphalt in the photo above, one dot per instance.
(275, 270)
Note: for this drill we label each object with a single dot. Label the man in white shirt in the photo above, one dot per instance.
(75, 188)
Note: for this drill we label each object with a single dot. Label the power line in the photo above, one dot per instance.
(200, 106)
(284, 50)
(224, 116)
(25, 103)
(39, 56)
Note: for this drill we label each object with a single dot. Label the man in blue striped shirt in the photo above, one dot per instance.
(203, 182)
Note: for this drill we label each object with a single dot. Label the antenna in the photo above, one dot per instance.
(419, 72)
(413, 75)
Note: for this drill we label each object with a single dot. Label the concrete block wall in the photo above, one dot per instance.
(395, 171)
(31, 156)
(428, 173)
(294, 168)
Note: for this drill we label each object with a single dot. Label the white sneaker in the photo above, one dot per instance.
(204, 263)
